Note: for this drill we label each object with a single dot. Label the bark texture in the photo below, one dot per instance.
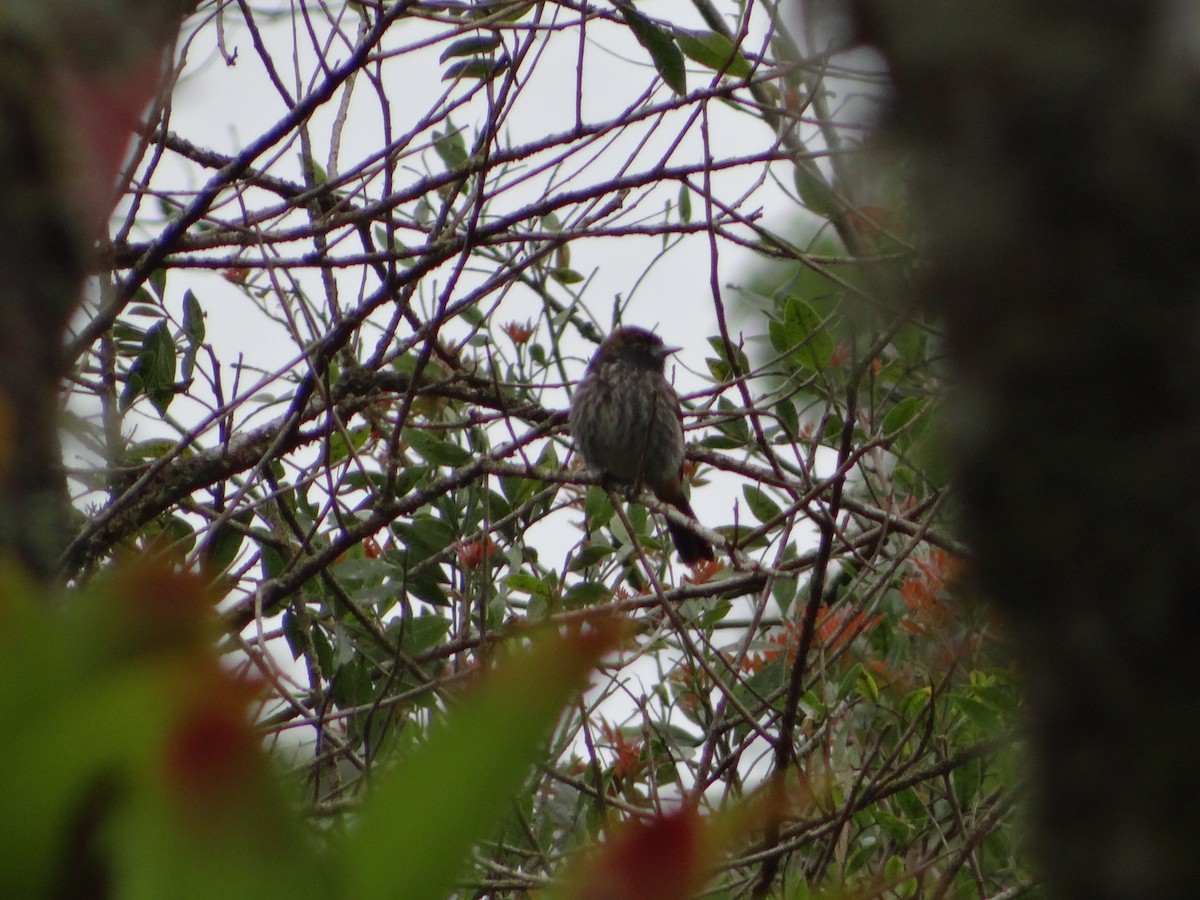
(1056, 148)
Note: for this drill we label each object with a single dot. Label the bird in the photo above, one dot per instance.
(628, 427)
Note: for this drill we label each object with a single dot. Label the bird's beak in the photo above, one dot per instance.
(667, 351)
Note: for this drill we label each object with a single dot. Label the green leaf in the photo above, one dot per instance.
(814, 190)
(343, 443)
(867, 688)
(589, 556)
(762, 507)
(528, 583)
(473, 315)
(720, 368)
(789, 420)
(471, 46)
(566, 276)
(158, 282)
(801, 337)
(435, 450)
(966, 779)
(421, 633)
(894, 872)
(485, 747)
(597, 507)
(314, 169)
(222, 546)
(901, 414)
(685, 204)
(585, 593)
(481, 68)
(193, 318)
(193, 332)
(361, 569)
(450, 146)
(428, 587)
(714, 51)
(293, 633)
(424, 536)
(733, 424)
(155, 367)
(785, 592)
(661, 46)
(155, 448)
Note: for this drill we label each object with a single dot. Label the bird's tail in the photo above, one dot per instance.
(691, 547)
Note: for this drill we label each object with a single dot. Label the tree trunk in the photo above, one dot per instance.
(1057, 155)
(74, 76)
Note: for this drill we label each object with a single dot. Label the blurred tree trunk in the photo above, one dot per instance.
(74, 75)
(1057, 155)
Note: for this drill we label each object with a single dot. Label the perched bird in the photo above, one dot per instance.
(627, 426)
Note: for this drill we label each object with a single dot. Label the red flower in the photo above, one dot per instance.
(472, 554)
(519, 334)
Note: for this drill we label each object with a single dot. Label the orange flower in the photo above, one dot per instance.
(519, 334)
(472, 554)
(921, 592)
(837, 627)
(628, 753)
(703, 572)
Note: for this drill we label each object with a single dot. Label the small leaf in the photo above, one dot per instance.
(435, 450)
(714, 51)
(814, 190)
(157, 366)
(424, 536)
(158, 350)
(589, 556)
(661, 46)
(685, 204)
(720, 367)
(428, 587)
(158, 282)
(867, 688)
(528, 583)
(801, 336)
(193, 332)
(193, 318)
(155, 448)
(221, 547)
(597, 507)
(480, 67)
(566, 276)
(422, 632)
(732, 424)
(789, 420)
(135, 385)
(471, 46)
(966, 779)
(450, 146)
(901, 414)
(762, 507)
(586, 593)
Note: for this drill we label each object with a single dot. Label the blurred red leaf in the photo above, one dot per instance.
(102, 111)
(656, 858)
